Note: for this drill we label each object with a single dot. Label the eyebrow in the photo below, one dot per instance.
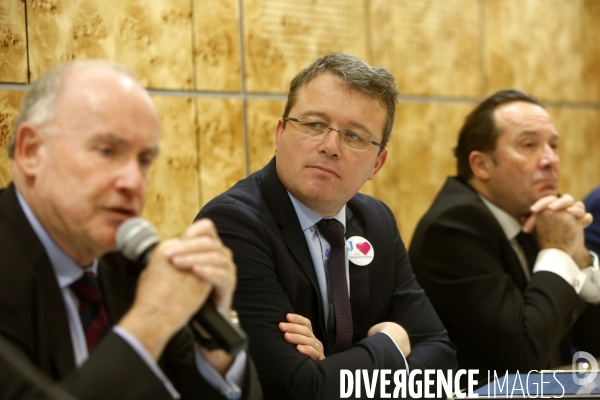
(352, 125)
(114, 139)
(534, 133)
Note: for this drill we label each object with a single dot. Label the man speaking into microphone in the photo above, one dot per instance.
(93, 321)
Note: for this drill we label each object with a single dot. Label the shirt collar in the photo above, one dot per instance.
(509, 224)
(65, 268)
(308, 218)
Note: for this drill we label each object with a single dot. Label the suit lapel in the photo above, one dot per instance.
(291, 232)
(118, 278)
(54, 324)
(359, 283)
(459, 192)
(55, 350)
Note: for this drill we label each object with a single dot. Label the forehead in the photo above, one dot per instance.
(101, 101)
(520, 118)
(332, 97)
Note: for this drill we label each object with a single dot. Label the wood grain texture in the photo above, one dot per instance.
(220, 134)
(591, 36)
(436, 47)
(281, 38)
(579, 149)
(217, 45)
(420, 159)
(380, 28)
(13, 42)
(537, 46)
(9, 110)
(262, 116)
(152, 37)
(173, 197)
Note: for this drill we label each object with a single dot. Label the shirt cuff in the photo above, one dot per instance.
(590, 292)
(230, 387)
(144, 355)
(400, 351)
(563, 265)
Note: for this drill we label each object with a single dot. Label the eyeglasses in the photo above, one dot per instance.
(318, 130)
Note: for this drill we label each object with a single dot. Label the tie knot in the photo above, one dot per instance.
(333, 231)
(87, 289)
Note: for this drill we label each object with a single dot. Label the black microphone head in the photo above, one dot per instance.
(136, 236)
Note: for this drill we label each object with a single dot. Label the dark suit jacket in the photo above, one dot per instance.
(276, 276)
(34, 319)
(592, 232)
(496, 319)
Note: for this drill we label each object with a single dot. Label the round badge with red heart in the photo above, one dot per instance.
(360, 250)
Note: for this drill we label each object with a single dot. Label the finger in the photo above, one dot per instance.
(576, 210)
(586, 220)
(202, 227)
(189, 261)
(562, 202)
(194, 244)
(296, 329)
(295, 338)
(311, 352)
(298, 319)
(542, 203)
(529, 224)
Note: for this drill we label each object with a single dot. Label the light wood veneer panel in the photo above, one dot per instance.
(152, 37)
(217, 45)
(262, 123)
(173, 197)
(281, 38)
(220, 133)
(9, 110)
(13, 42)
(436, 47)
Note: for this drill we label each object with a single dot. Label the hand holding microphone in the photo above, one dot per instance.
(198, 256)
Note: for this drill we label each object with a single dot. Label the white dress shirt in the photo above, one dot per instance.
(319, 251)
(586, 281)
(67, 271)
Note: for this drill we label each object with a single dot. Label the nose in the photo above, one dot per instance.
(131, 177)
(331, 143)
(549, 157)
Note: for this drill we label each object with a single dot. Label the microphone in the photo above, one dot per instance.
(137, 238)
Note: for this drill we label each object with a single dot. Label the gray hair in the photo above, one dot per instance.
(376, 82)
(39, 104)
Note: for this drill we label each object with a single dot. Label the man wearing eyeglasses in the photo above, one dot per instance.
(324, 280)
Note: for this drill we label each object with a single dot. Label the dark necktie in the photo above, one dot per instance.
(530, 248)
(333, 231)
(91, 309)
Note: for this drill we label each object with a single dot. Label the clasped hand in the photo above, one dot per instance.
(558, 223)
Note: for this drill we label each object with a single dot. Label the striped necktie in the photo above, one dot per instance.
(91, 308)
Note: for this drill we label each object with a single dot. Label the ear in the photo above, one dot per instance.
(481, 164)
(28, 149)
(379, 162)
(278, 132)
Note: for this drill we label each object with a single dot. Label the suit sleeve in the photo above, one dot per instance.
(461, 265)
(262, 304)
(430, 346)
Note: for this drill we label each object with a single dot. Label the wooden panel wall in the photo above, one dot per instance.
(9, 109)
(219, 71)
(13, 43)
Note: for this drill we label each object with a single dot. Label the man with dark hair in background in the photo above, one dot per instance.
(500, 254)
(82, 149)
(324, 281)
